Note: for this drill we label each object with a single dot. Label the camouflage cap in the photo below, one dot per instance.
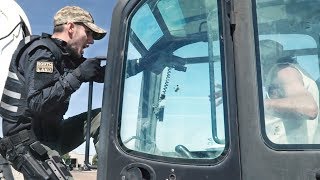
(77, 14)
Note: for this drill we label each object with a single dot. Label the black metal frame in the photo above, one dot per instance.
(112, 158)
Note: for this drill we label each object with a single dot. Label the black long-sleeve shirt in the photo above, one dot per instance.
(48, 93)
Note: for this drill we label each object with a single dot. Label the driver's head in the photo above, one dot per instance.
(270, 52)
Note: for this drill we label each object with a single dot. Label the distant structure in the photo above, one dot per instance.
(77, 160)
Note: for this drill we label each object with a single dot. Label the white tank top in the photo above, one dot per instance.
(291, 131)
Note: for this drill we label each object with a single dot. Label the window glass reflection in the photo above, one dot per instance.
(173, 94)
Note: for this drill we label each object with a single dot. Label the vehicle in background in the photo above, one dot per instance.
(15, 26)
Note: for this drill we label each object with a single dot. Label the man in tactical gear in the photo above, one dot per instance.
(44, 71)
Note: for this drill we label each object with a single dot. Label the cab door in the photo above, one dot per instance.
(277, 67)
(169, 106)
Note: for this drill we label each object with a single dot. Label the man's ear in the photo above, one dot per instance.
(70, 27)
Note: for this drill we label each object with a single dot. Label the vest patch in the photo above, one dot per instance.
(44, 67)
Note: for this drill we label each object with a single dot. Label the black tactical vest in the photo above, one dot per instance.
(14, 103)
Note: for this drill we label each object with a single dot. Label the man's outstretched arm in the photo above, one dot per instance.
(297, 101)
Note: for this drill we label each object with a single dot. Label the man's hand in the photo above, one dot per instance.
(100, 77)
(89, 70)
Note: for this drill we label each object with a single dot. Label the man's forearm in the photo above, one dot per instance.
(293, 107)
(46, 99)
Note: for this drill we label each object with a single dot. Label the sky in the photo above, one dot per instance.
(40, 14)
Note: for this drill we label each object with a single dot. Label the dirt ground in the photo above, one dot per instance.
(84, 175)
(77, 175)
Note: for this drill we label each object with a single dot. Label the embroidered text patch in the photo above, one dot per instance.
(45, 67)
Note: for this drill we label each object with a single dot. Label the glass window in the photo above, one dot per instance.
(173, 89)
(151, 31)
(288, 36)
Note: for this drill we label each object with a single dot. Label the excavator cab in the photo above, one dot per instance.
(172, 102)
(186, 86)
